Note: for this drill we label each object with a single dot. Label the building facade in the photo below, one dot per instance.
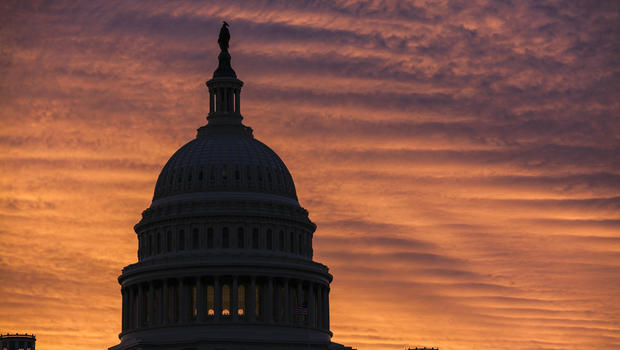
(17, 341)
(225, 249)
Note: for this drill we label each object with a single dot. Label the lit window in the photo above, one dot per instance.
(241, 300)
(210, 300)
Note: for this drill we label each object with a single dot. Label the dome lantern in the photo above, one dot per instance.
(224, 87)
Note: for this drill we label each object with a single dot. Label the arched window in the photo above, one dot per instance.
(255, 238)
(209, 238)
(240, 238)
(210, 300)
(241, 300)
(225, 300)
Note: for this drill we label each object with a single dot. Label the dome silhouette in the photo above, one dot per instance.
(225, 256)
(229, 160)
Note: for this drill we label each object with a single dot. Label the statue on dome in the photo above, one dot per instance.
(224, 37)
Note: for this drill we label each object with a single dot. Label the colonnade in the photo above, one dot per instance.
(224, 99)
(225, 298)
(9, 342)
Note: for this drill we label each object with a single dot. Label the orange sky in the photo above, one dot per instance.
(460, 158)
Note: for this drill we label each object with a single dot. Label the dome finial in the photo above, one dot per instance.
(224, 37)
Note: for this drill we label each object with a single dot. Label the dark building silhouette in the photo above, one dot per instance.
(17, 341)
(225, 249)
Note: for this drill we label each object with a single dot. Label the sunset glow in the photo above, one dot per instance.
(461, 159)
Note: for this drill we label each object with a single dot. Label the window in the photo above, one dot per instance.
(150, 250)
(281, 241)
(301, 245)
(169, 241)
(210, 300)
(225, 300)
(291, 243)
(225, 240)
(171, 303)
(209, 238)
(269, 239)
(195, 239)
(194, 301)
(255, 238)
(240, 238)
(181, 240)
(158, 243)
(241, 300)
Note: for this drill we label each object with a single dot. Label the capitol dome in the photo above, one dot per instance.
(224, 160)
(225, 256)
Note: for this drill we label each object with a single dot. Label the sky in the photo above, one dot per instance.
(460, 158)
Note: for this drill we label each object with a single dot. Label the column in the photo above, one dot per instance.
(300, 299)
(217, 297)
(277, 308)
(321, 313)
(251, 302)
(327, 306)
(165, 301)
(234, 304)
(182, 290)
(237, 104)
(268, 298)
(200, 299)
(124, 311)
(311, 315)
(131, 316)
(211, 101)
(287, 312)
(149, 310)
(140, 305)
